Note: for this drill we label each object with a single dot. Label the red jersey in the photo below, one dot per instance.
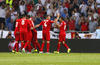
(32, 24)
(42, 14)
(71, 25)
(29, 7)
(67, 4)
(16, 26)
(84, 26)
(46, 25)
(63, 27)
(98, 11)
(24, 24)
(66, 25)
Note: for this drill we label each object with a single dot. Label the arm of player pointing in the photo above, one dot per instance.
(38, 25)
(35, 26)
(57, 20)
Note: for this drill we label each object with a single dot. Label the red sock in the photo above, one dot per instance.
(66, 46)
(42, 46)
(48, 45)
(29, 48)
(58, 47)
(34, 45)
(26, 44)
(22, 44)
(38, 45)
(16, 47)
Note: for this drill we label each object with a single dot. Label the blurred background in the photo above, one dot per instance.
(81, 16)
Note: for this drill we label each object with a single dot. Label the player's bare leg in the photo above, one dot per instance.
(42, 46)
(68, 49)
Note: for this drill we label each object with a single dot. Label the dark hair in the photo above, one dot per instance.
(23, 15)
(62, 18)
(22, 1)
(47, 16)
(28, 16)
(20, 17)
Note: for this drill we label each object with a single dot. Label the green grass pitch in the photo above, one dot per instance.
(50, 59)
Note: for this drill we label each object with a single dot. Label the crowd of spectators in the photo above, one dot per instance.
(80, 15)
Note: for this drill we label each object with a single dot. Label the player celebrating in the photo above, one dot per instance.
(34, 34)
(46, 32)
(17, 36)
(29, 35)
(23, 28)
(62, 35)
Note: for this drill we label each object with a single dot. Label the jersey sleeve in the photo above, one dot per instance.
(51, 21)
(17, 25)
(32, 23)
(61, 24)
(41, 23)
(29, 23)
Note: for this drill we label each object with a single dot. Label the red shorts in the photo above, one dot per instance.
(30, 36)
(46, 36)
(24, 36)
(17, 37)
(62, 37)
(35, 36)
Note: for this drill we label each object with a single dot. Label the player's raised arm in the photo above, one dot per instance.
(58, 15)
(57, 20)
(57, 24)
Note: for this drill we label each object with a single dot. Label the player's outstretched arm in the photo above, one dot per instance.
(36, 26)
